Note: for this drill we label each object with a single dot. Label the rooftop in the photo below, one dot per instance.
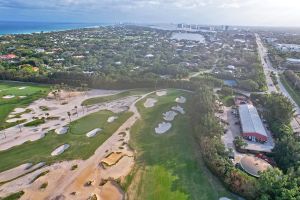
(254, 165)
(250, 120)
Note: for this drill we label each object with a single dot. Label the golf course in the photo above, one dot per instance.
(81, 147)
(15, 95)
(168, 166)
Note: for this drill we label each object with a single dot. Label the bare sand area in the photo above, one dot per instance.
(180, 99)
(178, 109)
(59, 150)
(150, 102)
(163, 127)
(161, 93)
(87, 178)
(61, 130)
(56, 108)
(94, 132)
(19, 171)
(112, 119)
(170, 115)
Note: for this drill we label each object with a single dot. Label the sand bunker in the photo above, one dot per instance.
(62, 130)
(22, 88)
(180, 99)
(19, 171)
(178, 109)
(8, 97)
(22, 97)
(111, 191)
(112, 158)
(224, 198)
(163, 127)
(19, 110)
(13, 120)
(120, 169)
(112, 119)
(150, 102)
(60, 150)
(170, 115)
(161, 93)
(93, 132)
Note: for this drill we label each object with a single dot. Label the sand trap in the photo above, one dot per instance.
(120, 169)
(224, 198)
(150, 102)
(62, 130)
(180, 99)
(19, 110)
(93, 132)
(178, 109)
(19, 171)
(8, 97)
(60, 150)
(161, 93)
(112, 119)
(163, 127)
(22, 88)
(112, 158)
(170, 115)
(13, 120)
(22, 97)
(110, 191)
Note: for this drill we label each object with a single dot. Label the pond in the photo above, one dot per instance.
(188, 36)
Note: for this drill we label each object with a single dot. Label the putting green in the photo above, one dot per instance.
(168, 165)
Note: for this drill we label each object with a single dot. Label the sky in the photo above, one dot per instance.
(218, 12)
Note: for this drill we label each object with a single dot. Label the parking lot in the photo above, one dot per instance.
(234, 130)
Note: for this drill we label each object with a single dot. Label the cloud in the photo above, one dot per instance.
(253, 12)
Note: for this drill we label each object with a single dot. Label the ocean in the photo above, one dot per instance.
(37, 27)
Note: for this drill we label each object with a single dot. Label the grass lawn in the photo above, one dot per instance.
(31, 91)
(97, 100)
(81, 147)
(168, 166)
(294, 94)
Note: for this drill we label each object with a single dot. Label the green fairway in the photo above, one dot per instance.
(103, 99)
(81, 147)
(168, 165)
(30, 92)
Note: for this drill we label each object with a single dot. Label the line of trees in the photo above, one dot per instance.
(208, 132)
(293, 79)
(99, 81)
(281, 184)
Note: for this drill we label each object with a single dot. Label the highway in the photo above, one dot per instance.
(268, 68)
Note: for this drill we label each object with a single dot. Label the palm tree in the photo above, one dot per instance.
(76, 110)
(69, 115)
(47, 115)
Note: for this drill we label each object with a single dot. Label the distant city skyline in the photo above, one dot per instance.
(214, 12)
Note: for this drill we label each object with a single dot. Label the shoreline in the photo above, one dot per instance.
(47, 29)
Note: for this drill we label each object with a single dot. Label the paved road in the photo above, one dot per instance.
(266, 65)
(268, 68)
